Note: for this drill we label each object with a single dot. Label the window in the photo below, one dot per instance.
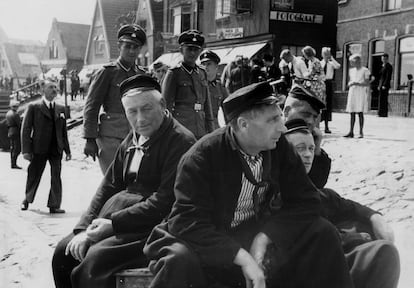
(243, 6)
(406, 51)
(53, 50)
(350, 49)
(222, 8)
(393, 4)
(181, 19)
(99, 45)
(295, 50)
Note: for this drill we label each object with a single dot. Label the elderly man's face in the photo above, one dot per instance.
(305, 147)
(50, 90)
(144, 112)
(264, 129)
(304, 112)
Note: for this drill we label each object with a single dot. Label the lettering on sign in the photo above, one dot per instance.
(230, 33)
(296, 17)
(281, 4)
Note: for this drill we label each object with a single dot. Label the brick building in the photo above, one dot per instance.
(371, 28)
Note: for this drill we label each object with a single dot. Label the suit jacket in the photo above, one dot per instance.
(37, 129)
(13, 123)
(153, 184)
(207, 188)
(385, 76)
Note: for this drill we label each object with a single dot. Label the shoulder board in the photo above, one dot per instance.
(110, 65)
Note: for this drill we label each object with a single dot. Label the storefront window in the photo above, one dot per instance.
(406, 60)
(393, 4)
(295, 50)
(181, 19)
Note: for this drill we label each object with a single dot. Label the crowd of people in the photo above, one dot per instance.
(243, 205)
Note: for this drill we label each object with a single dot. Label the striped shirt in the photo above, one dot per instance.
(245, 206)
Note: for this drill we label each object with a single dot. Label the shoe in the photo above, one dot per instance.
(16, 167)
(56, 211)
(24, 205)
(361, 135)
(349, 135)
(327, 131)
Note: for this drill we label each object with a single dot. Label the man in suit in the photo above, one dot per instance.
(13, 132)
(134, 196)
(44, 138)
(384, 85)
(104, 136)
(222, 219)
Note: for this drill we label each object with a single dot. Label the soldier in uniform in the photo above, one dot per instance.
(103, 140)
(185, 87)
(13, 132)
(210, 60)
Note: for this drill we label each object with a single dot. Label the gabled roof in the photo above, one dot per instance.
(111, 10)
(74, 38)
(23, 59)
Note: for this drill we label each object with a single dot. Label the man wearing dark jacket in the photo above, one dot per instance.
(371, 263)
(135, 194)
(222, 220)
(44, 138)
(384, 85)
(13, 132)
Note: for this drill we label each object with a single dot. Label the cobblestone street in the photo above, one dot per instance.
(377, 171)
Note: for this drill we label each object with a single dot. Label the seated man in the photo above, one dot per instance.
(221, 217)
(366, 237)
(135, 194)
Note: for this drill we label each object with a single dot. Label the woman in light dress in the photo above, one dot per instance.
(314, 74)
(357, 101)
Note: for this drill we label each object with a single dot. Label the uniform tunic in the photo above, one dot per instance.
(112, 126)
(188, 99)
(218, 93)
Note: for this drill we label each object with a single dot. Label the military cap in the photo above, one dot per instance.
(246, 98)
(208, 55)
(300, 92)
(295, 125)
(139, 83)
(132, 33)
(191, 38)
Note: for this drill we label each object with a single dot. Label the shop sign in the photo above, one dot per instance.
(296, 17)
(281, 4)
(230, 33)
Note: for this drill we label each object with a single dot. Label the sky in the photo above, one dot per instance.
(32, 19)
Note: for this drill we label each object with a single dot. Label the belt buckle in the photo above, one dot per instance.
(197, 106)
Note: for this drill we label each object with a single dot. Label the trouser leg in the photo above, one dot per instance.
(34, 174)
(62, 265)
(107, 149)
(55, 193)
(374, 264)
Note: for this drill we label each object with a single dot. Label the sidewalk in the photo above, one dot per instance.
(377, 171)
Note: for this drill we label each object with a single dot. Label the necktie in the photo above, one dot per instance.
(325, 68)
(51, 110)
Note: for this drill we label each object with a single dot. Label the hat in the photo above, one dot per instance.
(208, 55)
(140, 83)
(158, 65)
(191, 38)
(132, 33)
(295, 125)
(300, 92)
(246, 98)
(14, 103)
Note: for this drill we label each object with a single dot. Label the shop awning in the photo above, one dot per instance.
(247, 51)
(170, 59)
(53, 72)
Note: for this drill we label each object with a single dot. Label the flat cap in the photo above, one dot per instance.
(246, 98)
(208, 55)
(295, 125)
(191, 38)
(139, 83)
(300, 92)
(132, 33)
